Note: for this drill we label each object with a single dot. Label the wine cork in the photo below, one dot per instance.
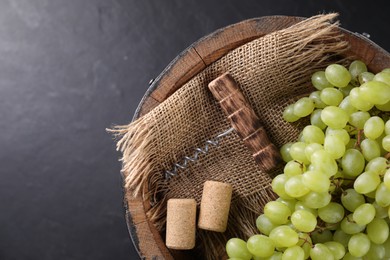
(215, 205)
(181, 224)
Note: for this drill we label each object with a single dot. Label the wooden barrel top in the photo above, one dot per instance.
(190, 62)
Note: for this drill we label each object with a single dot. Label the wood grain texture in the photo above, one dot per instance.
(186, 65)
(245, 121)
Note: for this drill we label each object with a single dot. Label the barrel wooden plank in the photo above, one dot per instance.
(191, 61)
(187, 64)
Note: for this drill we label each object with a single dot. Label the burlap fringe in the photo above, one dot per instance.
(312, 42)
(135, 141)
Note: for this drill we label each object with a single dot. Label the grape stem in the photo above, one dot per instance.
(359, 138)
(305, 240)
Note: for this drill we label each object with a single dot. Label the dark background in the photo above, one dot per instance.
(71, 68)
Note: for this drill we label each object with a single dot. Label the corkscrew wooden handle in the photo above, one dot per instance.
(245, 121)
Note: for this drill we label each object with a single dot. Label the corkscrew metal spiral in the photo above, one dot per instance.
(198, 151)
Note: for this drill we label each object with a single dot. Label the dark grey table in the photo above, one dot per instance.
(71, 68)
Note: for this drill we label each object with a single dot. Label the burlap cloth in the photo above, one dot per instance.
(272, 71)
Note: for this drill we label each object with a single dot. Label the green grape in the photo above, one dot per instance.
(236, 248)
(303, 107)
(386, 143)
(315, 119)
(341, 237)
(347, 106)
(313, 134)
(311, 166)
(299, 205)
(353, 162)
(294, 253)
(322, 161)
(297, 152)
(357, 100)
(351, 144)
(370, 149)
(384, 107)
(337, 249)
(331, 213)
(386, 179)
(380, 212)
(348, 256)
(341, 133)
(374, 127)
(300, 138)
(293, 168)
(334, 117)
(365, 77)
(375, 92)
(321, 236)
(337, 75)
(377, 165)
(375, 252)
(295, 188)
(316, 200)
(348, 226)
(370, 196)
(285, 152)
(304, 220)
(364, 214)
(278, 184)
(331, 96)
(379, 140)
(277, 212)
(386, 244)
(351, 199)
(321, 252)
(315, 97)
(275, 256)
(346, 90)
(284, 236)
(378, 231)
(351, 130)
(319, 81)
(311, 148)
(366, 182)
(359, 244)
(387, 127)
(264, 224)
(288, 114)
(305, 242)
(289, 203)
(335, 146)
(356, 68)
(382, 195)
(336, 182)
(316, 181)
(358, 119)
(260, 245)
(382, 76)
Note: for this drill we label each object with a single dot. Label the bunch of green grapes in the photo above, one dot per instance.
(334, 192)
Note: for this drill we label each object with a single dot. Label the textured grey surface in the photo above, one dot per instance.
(68, 70)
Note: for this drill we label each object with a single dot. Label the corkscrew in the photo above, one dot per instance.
(198, 151)
(244, 122)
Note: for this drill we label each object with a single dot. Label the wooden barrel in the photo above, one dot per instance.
(187, 64)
